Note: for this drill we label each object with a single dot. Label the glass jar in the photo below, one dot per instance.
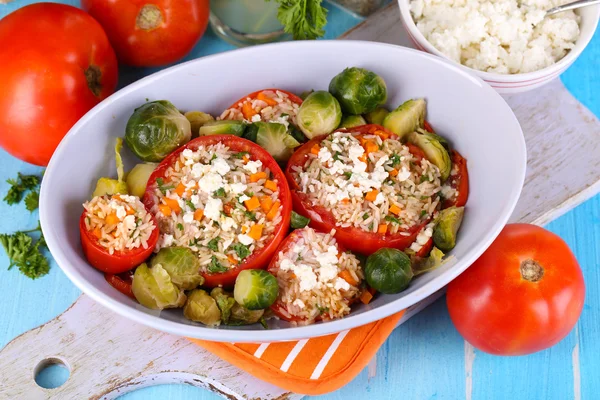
(246, 22)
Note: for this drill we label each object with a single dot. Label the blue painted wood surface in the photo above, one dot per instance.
(425, 358)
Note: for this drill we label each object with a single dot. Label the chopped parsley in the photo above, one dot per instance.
(424, 178)
(19, 186)
(322, 310)
(25, 254)
(371, 226)
(336, 156)
(395, 159)
(240, 155)
(391, 218)
(180, 227)
(214, 157)
(241, 250)
(161, 185)
(214, 244)
(220, 192)
(348, 174)
(423, 213)
(32, 201)
(365, 216)
(215, 266)
(251, 216)
(190, 205)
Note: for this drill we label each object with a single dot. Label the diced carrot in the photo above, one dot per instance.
(245, 158)
(227, 208)
(252, 204)
(363, 157)
(198, 214)
(366, 297)
(382, 228)
(258, 176)
(394, 209)
(116, 197)
(180, 189)
(345, 201)
(97, 232)
(372, 195)
(173, 204)
(273, 211)
(271, 185)
(262, 96)
(373, 129)
(339, 255)
(372, 291)
(244, 229)
(165, 210)
(370, 146)
(112, 219)
(232, 259)
(130, 211)
(256, 231)
(248, 111)
(315, 149)
(393, 172)
(382, 134)
(347, 276)
(266, 203)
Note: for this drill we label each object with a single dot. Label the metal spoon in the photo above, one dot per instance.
(571, 6)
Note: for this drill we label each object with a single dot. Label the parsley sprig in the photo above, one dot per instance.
(303, 19)
(19, 186)
(26, 254)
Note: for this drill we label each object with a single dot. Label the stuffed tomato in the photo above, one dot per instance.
(226, 199)
(372, 188)
(317, 278)
(117, 233)
(267, 105)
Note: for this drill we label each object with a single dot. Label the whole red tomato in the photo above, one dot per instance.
(524, 294)
(55, 64)
(151, 32)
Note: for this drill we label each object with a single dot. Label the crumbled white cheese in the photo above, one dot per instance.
(324, 154)
(255, 118)
(213, 209)
(305, 274)
(227, 223)
(188, 217)
(299, 303)
(195, 200)
(129, 222)
(210, 182)
(379, 199)
(403, 175)
(167, 240)
(221, 166)
(245, 239)
(253, 166)
(236, 188)
(227, 243)
(243, 198)
(341, 284)
(328, 262)
(121, 213)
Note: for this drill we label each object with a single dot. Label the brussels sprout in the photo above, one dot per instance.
(200, 307)
(448, 223)
(305, 94)
(298, 221)
(138, 177)
(350, 121)
(422, 265)
(108, 186)
(358, 90)
(297, 134)
(197, 119)
(240, 315)
(405, 119)
(225, 302)
(274, 138)
(153, 288)
(156, 129)
(225, 127)
(181, 264)
(434, 151)
(255, 289)
(319, 114)
(377, 115)
(388, 271)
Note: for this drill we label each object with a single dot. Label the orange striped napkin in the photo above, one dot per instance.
(309, 366)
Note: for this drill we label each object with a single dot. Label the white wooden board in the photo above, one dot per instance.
(108, 355)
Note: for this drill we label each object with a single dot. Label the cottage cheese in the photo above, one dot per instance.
(503, 36)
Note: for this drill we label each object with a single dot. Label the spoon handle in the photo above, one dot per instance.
(571, 6)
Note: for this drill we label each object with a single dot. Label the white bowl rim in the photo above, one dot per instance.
(292, 333)
(409, 23)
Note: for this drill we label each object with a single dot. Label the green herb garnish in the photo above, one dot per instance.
(32, 201)
(241, 250)
(180, 227)
(190, 205)
(240, 155)
(250, 215)
(395, 159)
(161, 185)
(423, 213)
(19, 186)
(348, 174)
(214, 244)
(303, 19)
(298, 221)
(365, 216)
(215, 266)
(220, 192)
(391, 218)
(25, 254)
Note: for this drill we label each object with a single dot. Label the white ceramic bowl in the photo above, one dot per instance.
(464, 109)
(514, 83)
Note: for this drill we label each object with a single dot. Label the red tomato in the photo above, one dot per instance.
(147, 33)
(121, 282)
(524, 294)
(253, 95)
(321, 219)
(459, 181)
(260, 258)
(55, 64)
(118, 262)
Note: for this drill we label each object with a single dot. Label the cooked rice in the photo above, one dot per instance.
(336, 179)
(133, 227)
(215, 180)
(310, 285)
(284, 111)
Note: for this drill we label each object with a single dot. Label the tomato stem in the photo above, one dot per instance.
(150, 17)
(92, 76)
(531, 270)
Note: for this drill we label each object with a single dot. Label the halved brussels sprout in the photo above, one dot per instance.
(153, 288)
(181, 264)
(225, 127)
(197, 119)
(358, 90)
(109, 186)
(255, 289)
(240, 315)
(200, 307)
(388, 271)
(137, 178)
(448, 223)
(434, 151)
(405, 119)
(274, 138)
(319, 114)
(377, 115)
(298, 221)
(225, 302)
(156, 129)
(422, 265)
(350, 121)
